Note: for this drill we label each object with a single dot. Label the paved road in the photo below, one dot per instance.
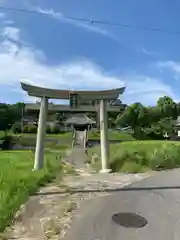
(156, 200)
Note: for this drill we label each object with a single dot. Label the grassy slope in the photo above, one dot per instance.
(18, 181)
(117, 150)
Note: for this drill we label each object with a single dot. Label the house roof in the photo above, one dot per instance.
(79, 120)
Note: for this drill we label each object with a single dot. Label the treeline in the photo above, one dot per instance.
(9, 114)
(157, 120)
(153, 121)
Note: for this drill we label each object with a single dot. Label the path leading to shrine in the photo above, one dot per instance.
(55, 208)
(96, 206)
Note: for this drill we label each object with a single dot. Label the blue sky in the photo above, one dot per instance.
(52, 51)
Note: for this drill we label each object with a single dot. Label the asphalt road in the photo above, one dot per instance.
(146, 210)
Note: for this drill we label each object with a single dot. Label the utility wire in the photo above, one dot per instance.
(89, 21)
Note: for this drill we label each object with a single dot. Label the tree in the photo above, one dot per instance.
(10, 114)
(165, 125)
(167, 107)
(133, 116)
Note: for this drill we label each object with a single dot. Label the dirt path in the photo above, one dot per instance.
(50, 213)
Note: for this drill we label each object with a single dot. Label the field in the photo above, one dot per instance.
(140, 156)
(18, 181)
(112, 135)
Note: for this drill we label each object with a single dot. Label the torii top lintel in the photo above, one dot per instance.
(36, 91)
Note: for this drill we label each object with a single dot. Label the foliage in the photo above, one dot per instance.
(165, 157)
(134, 116)
(48, 129)
(55, 128)
(140, 118)
(32, 128)
(16, 127)
(10, 114)
(18, 181)
(155, 121)
(25, 128)
(29, 128)
(7, 142)
(140, 156)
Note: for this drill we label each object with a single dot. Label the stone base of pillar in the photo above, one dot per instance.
(105, 171)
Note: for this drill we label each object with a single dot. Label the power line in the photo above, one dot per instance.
(94, 21)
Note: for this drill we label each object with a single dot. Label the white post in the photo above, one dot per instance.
(39, 154)
(104, 137)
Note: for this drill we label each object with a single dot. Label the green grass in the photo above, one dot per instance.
(18, 181)
(140, 156)
(112, 135)
(64, 140)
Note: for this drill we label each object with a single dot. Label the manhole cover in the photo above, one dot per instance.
(129, 220)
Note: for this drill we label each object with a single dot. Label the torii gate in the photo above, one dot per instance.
(75, 98)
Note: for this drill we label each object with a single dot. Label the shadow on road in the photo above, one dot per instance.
(124, 189)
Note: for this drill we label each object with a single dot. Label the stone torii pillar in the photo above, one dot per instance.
(41, 131)
(104, 137)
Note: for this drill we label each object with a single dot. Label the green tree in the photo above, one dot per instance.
(133, 116)
(167, 107)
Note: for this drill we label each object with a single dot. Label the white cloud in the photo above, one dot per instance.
(146, 90)
(25, 67)
(21, 63)
(149, 53)
(86, 25)
(170, 65)
(11, 33)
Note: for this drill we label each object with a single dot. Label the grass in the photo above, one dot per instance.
(112, 135)
(94, 134)
(140, 156)
(18, 181)
(64, 140)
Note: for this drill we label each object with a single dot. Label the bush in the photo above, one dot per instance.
(123, 160)
(25, 129)
(48, 129)
(32, 129)
(7, 142)
(55, 128)
(138, 156)
(133, 167)
(166, 157)
(16, 127)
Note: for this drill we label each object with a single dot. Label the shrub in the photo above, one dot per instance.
(128, 158)
(139, 156)
(16, 127)
(166, 157)
(48, 129)
(25, 129)
(133, 167)
(7, 142)
(55, 128)
(32, 129)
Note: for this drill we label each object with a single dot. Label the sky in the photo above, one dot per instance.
(47, 49)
